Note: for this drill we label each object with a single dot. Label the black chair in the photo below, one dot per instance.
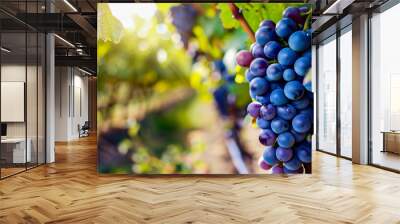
(84, 130)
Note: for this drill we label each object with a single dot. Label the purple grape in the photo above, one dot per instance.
(294, 14)
(268, 112)
(257, 51)
(249, 76)
(252, 94)
(284, 154)
(279, 126)
(267, 23)
(287, 56)
(244, 58)
(299, 137)
(267, 137)
(278, 97)
(299, 41)
(293, 164)
(271, 49)
(265, 35)
(277, 169)
(303, 153)
(286, 140)
(289, 75)
(262, 123)
(274, 72)
(276, 85)
(259, 66)
(301, 103)
(253, 109)
(307, 54)
(286, 112)
(220, 97)
(259, 86)
(310, 96)
(269, 156)
(287, 171)
(263, 99)
(294, 90)
(285, 27)
(184, 18)
(263, 165)
(301, 123)
(309, 111)
(302, 65)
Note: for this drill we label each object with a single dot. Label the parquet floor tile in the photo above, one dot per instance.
(71, 191)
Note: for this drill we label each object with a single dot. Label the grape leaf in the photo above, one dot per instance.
(226, 16)
(254, 13)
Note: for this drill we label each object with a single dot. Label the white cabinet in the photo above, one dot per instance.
(17, 145)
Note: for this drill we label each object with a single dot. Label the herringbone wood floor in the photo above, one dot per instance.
(70, 191)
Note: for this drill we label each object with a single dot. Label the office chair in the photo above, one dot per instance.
(84, 130)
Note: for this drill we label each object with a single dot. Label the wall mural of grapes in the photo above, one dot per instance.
(282, 108)
(204, 88)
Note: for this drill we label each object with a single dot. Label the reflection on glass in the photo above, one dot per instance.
(13, 85)
(385, 84)
(327, 96)
(346, 94)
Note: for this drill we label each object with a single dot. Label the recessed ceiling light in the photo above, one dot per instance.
(5, 50)
(70, 5)
(84, 71)
(64, 40)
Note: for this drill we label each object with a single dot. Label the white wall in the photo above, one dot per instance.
(16, 73)
(71, 102)
(61, 103)
(12, 73)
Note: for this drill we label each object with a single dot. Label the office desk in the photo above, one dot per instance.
(16, 147)
(391, 141)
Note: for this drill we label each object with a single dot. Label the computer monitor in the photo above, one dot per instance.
(3, 129)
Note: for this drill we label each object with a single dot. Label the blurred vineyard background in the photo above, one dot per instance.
(171, 99)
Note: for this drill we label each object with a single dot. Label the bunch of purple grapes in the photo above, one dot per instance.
(183, 18)
(282, 107)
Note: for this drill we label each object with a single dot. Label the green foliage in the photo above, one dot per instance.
(109, 28)
(161, 145)
(254, 13)
(241, 92)
(226, 16)
(212, 26)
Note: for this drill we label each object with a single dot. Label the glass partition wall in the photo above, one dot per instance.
(22, 94)
(326, 90)
(385, 89)
(345, 92)
(334, 94)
